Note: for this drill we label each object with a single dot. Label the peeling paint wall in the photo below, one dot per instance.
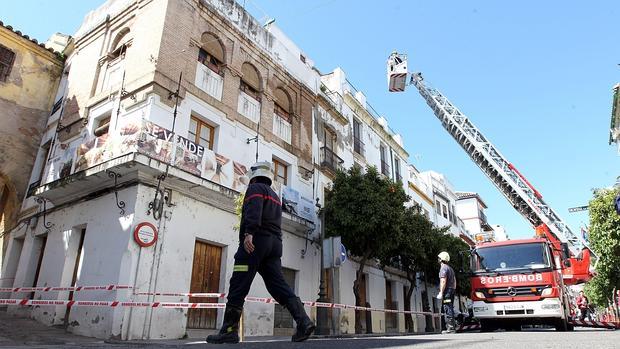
(26, 98)
(107, 258)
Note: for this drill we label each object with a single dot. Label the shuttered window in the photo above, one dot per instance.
(7, 57)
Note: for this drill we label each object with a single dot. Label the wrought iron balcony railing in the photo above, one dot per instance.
(330, 160)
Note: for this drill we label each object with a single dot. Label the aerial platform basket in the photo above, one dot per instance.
(397, 72)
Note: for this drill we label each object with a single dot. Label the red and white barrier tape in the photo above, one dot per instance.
(112, 304)
(469, 327)
(587, 323)
(182, 294)
(74, 289)
(170, 294)
(26, 302)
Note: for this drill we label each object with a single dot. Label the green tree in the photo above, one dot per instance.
(366, 210)
(605, 241)
(413, 252)
(239, 210)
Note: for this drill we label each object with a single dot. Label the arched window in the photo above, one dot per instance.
(119, 44)
(282, 105)
(250, 81)
(211, 53)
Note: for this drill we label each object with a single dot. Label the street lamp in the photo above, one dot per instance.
(322, 314)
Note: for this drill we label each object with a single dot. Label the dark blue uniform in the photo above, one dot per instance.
(262, 218)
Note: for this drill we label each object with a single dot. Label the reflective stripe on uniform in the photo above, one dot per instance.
(240, 267)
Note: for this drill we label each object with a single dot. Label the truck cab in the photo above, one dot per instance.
(518, 282)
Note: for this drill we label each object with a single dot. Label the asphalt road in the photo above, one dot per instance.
(25, 333)
(581, 338)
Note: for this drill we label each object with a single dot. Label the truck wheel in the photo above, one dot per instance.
(514, 328)
(562, 325)
(485, 326)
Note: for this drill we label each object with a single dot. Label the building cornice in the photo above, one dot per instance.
(30, 45)
(421, 193)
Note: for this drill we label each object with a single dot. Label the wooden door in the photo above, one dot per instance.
(282, 318)
(77, 266)
(42, 240)
(205, 278)
(363, 303)
(391, 324)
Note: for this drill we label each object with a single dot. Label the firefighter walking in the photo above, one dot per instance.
(260, 251)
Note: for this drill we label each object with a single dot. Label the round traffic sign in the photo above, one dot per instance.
(145, 234)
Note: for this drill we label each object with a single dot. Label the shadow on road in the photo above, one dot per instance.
(344, 343)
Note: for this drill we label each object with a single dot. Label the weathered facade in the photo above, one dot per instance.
(164, 106)
(29, 76)
(157, 127)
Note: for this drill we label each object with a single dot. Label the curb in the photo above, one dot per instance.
(181, 342)
(372, 335)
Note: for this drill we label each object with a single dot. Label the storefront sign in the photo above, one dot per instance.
(145, 234)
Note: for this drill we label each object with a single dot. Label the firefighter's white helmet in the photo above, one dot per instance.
(261, 169)
(444, 256)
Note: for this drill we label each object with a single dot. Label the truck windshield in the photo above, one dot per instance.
(510, 257)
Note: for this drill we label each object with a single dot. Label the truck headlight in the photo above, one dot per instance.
(479, 294)
(547, 291)
(479, 309)
(550, 306)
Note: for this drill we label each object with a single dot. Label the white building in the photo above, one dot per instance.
(445, 199)
(420, 193)
(470, 208)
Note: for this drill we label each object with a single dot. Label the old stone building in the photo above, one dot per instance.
(163, 106)
(158, 123)
(29, 76)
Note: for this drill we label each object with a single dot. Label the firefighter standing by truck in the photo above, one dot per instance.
(447, 288)
(584, 306)
(260, 250)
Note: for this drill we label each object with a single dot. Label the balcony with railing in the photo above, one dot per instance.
(399, 178)
(358, 146)
(209, 81)
(248, 107)
(385, 169)
(282, 128)
(330, 161)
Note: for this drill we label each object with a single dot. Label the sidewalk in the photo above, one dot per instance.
(20, 332)
(16, 332)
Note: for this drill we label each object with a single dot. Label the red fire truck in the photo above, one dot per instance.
(524, 282)
(513, 282)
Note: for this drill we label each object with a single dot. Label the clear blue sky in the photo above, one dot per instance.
(534, 76)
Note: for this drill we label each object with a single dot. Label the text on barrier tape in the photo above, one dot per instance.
(74, 289)
(113, 304)
(169, 304)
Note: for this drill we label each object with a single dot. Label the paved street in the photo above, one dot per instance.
(25, 333)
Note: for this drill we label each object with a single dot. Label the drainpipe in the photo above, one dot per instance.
(392, 162)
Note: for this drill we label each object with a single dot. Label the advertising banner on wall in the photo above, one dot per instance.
(156, 142)
(61, 164)
(295, 203)
(189, 156)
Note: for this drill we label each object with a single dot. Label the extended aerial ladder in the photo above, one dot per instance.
(511, 183)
